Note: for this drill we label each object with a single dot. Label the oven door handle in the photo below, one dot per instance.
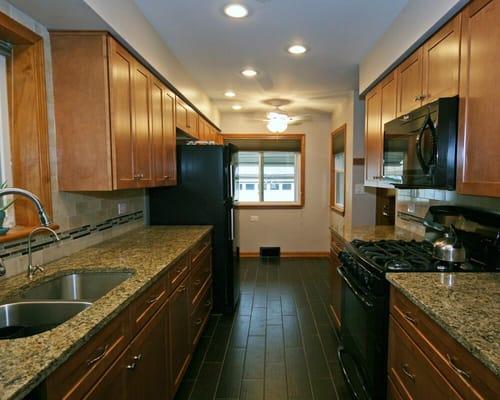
(357, 293)
(341, 353)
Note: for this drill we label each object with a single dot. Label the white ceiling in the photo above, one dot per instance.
(215, 48)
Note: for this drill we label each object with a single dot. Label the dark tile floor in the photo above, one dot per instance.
(280, 343)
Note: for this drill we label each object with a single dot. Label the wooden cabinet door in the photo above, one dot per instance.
(478, 164)
(373, 136)
(336, 287)
(169, 139)
(121, 69)
(179, 334)
(181, 115)
(441, 59)
(409, 81)
(143, 166)
(113, 384)
(147, 360)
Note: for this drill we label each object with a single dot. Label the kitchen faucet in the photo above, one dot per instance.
(44, 221)
(33, 269)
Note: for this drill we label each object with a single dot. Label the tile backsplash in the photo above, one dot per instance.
(412, 205)
(74, 210)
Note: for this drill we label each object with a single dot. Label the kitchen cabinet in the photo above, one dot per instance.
(373, 136)
(409, 83)
(336, 246)
(144, 352)
(380, 108)
(180, 346)
(105, 124)
(186, 118)
(478, 164)
(426, 362)
(441, 62)
(163, 134)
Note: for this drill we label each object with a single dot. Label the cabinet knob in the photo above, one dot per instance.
(181, 289)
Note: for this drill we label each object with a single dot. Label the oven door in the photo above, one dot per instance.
(363, 351)
(410, 150)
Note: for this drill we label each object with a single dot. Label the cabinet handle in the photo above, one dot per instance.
(153, 300)
(131, 366)
(166, 177)
(197, 282)
(179, 270)
(378, 177)
(137, 357)
(459, 371)
(208, 303)
(404, 367)
(409, 318)
(181, 289)
(102, 353)
(198, 322)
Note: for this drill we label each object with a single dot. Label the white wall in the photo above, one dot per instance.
(359, 208)
(418, 20)
(297, 230)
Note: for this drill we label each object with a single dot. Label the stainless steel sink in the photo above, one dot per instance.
(30, 318)
(87, 286)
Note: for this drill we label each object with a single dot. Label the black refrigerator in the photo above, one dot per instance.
(204, 196)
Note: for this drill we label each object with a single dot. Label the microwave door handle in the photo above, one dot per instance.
(425, 166)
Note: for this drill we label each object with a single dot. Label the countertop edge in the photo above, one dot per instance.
(477, 353)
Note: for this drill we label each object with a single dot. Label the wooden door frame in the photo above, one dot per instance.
(28, 121)
(341, 130)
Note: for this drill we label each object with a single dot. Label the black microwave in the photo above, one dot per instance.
(420, 147)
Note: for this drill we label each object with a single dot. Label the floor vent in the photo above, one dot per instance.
(270, 251)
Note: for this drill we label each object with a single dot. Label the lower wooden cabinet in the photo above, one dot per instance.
(180, 346)
(425, 362)
(144, 352)
(336, 247)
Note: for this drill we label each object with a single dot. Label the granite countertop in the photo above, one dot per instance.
(464, 304)
(146, 252)
(375, 232)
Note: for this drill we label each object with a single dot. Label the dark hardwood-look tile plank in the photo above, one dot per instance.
(220, 340)
(275, 347)
(239, 335)
(255, 358)
(275, 381)
(258, 322)
(206, 384)
(246, 304)
(296, 374)
(323, 389)
(198, 357)
(252, 389)
(232, 373)
(274, 312)
(316, 360)
(291, 331)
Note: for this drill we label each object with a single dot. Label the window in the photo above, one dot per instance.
(337, 163)
(276, 172)
(268, 170)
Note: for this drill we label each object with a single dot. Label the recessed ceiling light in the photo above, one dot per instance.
(236, 107)
(236, 11)
(297, 49)
(229, 93)
(249, 72)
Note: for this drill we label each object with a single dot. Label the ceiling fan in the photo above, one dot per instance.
(279, 120)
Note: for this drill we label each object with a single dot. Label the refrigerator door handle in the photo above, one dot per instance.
(231, 182)
(232, 223)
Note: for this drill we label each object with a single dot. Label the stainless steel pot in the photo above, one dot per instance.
(448, 247)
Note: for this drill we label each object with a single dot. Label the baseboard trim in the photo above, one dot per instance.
(302, 254)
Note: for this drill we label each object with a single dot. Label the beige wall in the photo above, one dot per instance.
(125, 18)
(72, 210)
(359, 207)
(302, 230)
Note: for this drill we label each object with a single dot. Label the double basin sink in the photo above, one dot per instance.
(49, 304)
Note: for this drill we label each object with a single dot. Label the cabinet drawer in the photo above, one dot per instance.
(411, 372)
(77, 375)
(200, 276)
(147, 304)
(178, 272)
(337, 243)
(200, 315)
(465, 372)
(199, 248)
(392, 392)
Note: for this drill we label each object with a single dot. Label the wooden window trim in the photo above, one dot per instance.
(265, 136)
(27, 122)
(341, 130)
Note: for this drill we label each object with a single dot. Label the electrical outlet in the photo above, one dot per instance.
(254, 218)
(122, 208)
(359, 188)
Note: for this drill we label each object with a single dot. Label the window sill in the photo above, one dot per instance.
(338, 210)
(268, 206)
(19, 232)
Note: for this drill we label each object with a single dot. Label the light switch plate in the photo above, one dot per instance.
(254, 218)
(122, 208)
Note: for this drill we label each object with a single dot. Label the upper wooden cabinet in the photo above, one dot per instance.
(115, 120)
(186, 118)
(409, 81)
(441, 59)
(373, 136)
(478, 164)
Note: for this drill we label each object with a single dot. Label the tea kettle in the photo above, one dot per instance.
(448, 247)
